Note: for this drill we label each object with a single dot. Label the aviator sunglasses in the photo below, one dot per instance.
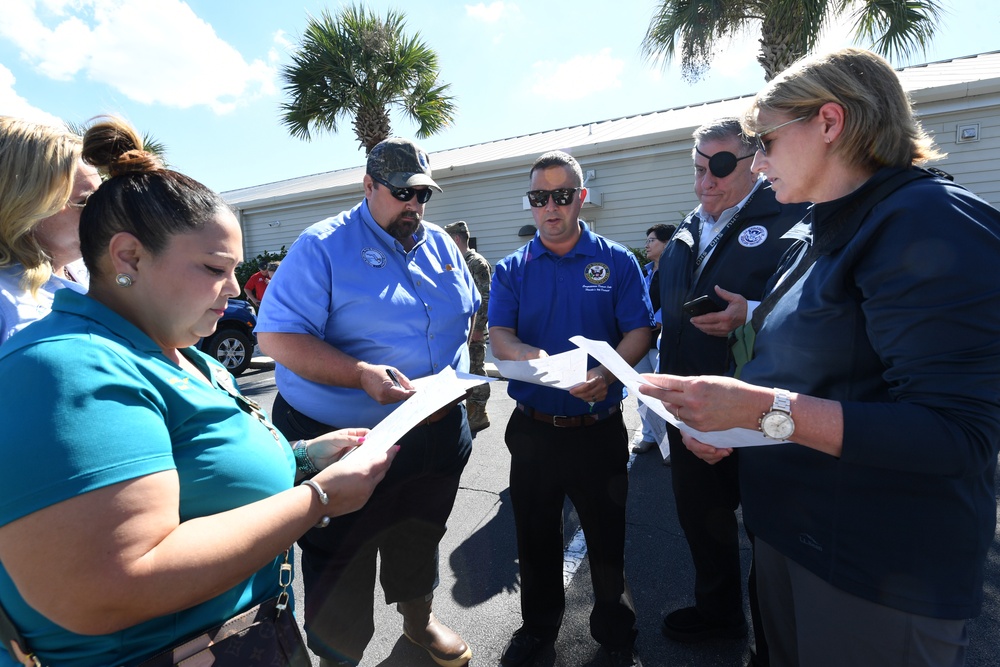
(761, 145)
(562, 197)
(722, 163)
(405, 194)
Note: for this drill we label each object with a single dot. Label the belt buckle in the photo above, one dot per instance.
(556, 418)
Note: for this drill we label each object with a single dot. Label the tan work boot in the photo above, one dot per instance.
(443, 644)
(478, 419)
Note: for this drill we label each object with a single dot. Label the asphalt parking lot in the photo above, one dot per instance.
(478, 594)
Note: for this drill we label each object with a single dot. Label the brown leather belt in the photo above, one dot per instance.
(439, 414)
(562, 421)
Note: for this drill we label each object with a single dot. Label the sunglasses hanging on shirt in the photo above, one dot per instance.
(722, 163)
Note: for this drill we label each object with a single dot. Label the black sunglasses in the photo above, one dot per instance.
(722, 163)
(562, 197)
(406, 194)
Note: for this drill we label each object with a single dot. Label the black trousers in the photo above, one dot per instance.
(588, 465)
(707, 497)
(403, 522)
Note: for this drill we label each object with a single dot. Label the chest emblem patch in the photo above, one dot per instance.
(597, 273)
(373, 257)
(753, 236)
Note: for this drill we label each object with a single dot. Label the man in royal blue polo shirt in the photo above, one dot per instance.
(568, 281)
(372, 290)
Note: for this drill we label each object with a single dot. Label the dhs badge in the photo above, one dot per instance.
(374, 257)
(753, 236)
(597, 273)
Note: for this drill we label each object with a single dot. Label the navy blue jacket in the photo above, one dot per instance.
(741, 263)
(899, 320)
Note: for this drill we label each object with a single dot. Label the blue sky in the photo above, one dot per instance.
(203, 76)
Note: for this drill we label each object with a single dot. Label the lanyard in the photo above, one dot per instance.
(718, 237)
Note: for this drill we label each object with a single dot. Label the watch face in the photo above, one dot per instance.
(777, 425)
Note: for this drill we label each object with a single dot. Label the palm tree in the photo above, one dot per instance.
(357, 64)
(789, 29)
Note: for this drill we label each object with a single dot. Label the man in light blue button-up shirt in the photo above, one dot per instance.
(372, 290)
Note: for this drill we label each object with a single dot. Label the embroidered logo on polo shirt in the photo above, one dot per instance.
(753, 236)
(597, 273)
(374, 257)
(180, 383)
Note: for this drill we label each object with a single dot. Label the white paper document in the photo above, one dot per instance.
(604, 353)
(433, 392)
(562, 371)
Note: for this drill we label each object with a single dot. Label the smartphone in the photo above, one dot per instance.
(701, 306)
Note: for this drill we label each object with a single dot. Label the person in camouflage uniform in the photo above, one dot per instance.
(481, 274)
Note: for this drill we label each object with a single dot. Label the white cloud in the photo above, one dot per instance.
(152, 51)
(282, 45)
(493, 12)
(12, 104)
(578, 77)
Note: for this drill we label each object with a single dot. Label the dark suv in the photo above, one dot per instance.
(233, 341)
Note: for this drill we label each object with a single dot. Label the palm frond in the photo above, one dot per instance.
(358, 64)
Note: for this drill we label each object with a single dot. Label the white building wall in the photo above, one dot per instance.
(639, 185)
(976, 164)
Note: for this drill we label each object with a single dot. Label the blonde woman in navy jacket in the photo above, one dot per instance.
(874, 521)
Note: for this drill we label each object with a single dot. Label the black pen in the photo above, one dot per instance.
(395, 381)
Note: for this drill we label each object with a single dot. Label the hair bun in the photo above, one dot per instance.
(115, 147)
(135, 161)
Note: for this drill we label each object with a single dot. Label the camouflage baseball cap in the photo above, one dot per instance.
(401, 163)
(459, 227)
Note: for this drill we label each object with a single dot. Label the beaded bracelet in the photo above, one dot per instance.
(302, 461)
(323, 498)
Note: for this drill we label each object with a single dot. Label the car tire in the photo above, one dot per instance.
(232, 348)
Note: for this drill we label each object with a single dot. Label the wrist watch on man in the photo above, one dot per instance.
(777, 423)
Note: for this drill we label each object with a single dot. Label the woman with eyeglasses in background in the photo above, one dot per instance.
(43, 186)
(877, 358)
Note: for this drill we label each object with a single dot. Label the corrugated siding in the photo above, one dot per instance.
(975, 165)
(267, 228)
(642, 164)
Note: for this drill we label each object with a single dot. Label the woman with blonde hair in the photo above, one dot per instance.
(145, 500)
(874, 365)
(43, 186)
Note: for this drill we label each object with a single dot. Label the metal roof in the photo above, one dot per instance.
(946, 79)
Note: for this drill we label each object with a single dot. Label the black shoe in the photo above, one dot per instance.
(522, 647)
(689, 626)
(623, 657)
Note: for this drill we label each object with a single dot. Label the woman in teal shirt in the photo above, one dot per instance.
(143, 499)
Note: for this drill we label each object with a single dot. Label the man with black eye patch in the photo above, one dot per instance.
(721, 256)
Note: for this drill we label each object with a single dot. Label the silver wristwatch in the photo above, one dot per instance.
(777, 423)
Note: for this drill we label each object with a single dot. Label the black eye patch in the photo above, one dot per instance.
(722, 163)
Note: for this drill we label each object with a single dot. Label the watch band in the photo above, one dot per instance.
(782, 401)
